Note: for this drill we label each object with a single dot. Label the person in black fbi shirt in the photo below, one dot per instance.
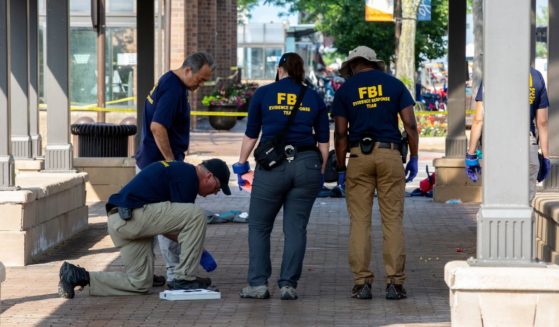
(540, 165)
(157, 201)
(166, 129)
(294, 184)
(370, 102)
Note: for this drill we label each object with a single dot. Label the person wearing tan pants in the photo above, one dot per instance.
(157, 201)
(366, 110)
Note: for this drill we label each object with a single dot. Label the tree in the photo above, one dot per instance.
(405, 63)
(344, 20)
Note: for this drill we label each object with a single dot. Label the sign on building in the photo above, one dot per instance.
(379, 10)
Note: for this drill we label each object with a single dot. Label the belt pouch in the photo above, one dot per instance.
(125, 213)
(367, 144)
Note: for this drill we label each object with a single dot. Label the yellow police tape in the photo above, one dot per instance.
(93, 107)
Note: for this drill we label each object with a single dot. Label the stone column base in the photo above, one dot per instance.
(502, 296)
(106, 176)
(452, 182)
(546, 221)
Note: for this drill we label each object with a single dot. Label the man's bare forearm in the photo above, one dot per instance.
(161, 138)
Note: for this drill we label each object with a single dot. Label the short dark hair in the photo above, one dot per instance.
(294, 66)
(197, 60)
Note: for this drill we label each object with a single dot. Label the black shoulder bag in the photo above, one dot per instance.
(269, 154)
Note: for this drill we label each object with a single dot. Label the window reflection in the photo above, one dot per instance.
(120, 53)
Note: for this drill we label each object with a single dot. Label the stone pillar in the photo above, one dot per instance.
(19, 80)
(58, 157)
(145, 20)
(503, 286)
(456, 141)
(505, 228)
(7, 168)
(452, 182)
(532, 33)
(33, 91)
(552, 181)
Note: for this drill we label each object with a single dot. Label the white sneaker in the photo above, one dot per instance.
(255, 292)
(288, 293)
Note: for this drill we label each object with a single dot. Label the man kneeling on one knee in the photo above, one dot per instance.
(157, 201)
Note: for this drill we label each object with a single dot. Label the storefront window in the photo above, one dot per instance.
(83, 66)
(80, 7)
(121, 65)
(272, 58)
(121, 6)
(259, 63)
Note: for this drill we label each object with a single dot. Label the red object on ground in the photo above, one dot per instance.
(426, 184)
(459, 250)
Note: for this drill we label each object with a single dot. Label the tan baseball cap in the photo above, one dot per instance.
(360, 52)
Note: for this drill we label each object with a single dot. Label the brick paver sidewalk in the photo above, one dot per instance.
(434, 232)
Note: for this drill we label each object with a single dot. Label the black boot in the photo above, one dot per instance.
(395, 292)
(70, 277)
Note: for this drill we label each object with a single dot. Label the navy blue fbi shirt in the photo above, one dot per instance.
(162, 181)
(166, 104)
(538, 96)
(371, 101)
(270, 108)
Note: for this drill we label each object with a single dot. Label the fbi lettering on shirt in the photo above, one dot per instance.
(370, 96)
(285, 102)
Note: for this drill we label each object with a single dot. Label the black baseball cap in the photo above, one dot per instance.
(220, 170)
(282, 61)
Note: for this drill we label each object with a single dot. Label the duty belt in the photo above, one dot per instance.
(112, 211)
(292, 150)
(303, 148)
(380, 145)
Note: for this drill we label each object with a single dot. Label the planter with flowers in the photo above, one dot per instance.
(232, 98)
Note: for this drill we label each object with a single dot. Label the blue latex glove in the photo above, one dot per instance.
(473, 168)
(479, 154)
(341, 180)
(545, 167)
(240, 169)
(207, 261)
(411, 169)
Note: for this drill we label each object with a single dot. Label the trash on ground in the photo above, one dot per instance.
(231, 216)
(335, 192)
(425, 185)
(454, 201)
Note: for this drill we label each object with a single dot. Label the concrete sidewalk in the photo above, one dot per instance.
(436, 233)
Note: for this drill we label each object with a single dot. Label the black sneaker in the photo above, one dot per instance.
(395, 292)
(183, 284)
(70, 277)
(362, 292)
(158, 281)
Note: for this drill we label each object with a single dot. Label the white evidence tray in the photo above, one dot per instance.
(194, 294)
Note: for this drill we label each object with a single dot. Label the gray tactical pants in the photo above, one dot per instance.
(293, 185)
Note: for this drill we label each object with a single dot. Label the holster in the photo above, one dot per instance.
(125, 213)
(404, 147)
(366, 144)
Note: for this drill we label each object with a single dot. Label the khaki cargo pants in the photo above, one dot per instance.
(134, 238)
(381, 170)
